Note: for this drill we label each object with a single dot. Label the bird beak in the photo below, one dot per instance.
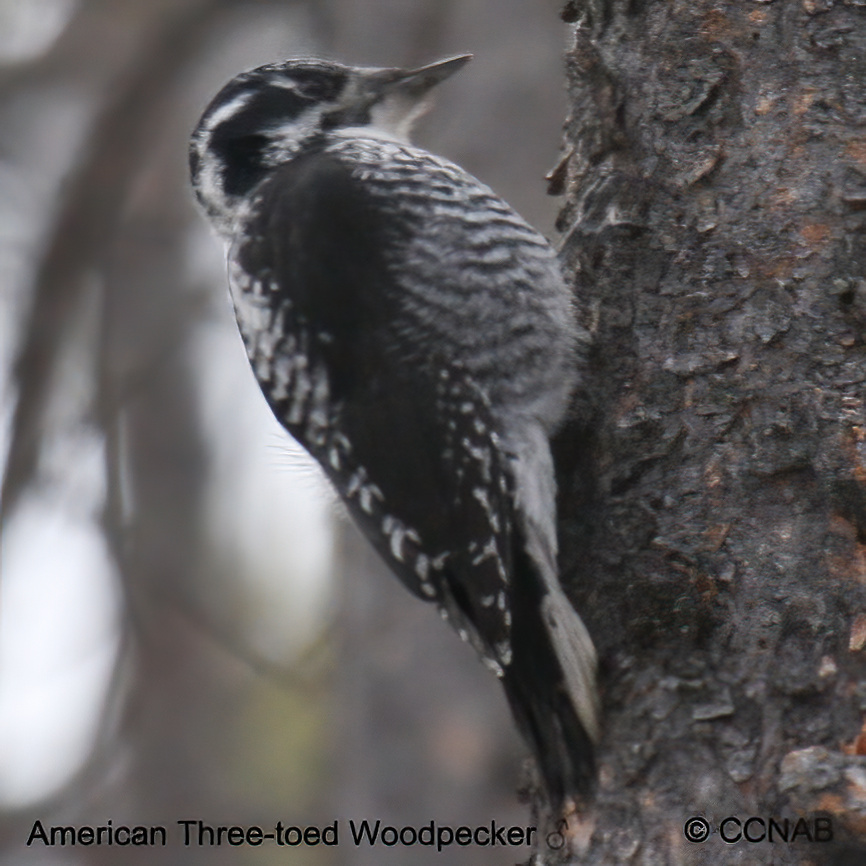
(425, 77)
(398, 97)
(416, 82)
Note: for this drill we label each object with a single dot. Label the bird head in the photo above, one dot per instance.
(268, 116)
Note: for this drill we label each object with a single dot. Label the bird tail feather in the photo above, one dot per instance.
(550, 683)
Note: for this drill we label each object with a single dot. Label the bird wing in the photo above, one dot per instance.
(405, 434)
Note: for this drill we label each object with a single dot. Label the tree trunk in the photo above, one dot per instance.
(714, 507)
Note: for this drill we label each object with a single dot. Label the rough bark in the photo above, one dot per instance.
(714, 508)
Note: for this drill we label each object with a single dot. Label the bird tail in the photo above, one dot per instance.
(550, 683)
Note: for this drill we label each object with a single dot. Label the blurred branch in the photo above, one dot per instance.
(305, 674)
(83, 229)
(72, 55)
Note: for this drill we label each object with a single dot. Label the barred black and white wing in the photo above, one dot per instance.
(405, 435)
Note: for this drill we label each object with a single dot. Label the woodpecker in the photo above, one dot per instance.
(415, 335)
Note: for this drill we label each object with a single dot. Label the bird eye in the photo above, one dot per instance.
(242, 158)
(241, 141)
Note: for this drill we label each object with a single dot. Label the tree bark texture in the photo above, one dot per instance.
(714, 508)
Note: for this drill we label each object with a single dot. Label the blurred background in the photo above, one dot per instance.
(189, 629)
